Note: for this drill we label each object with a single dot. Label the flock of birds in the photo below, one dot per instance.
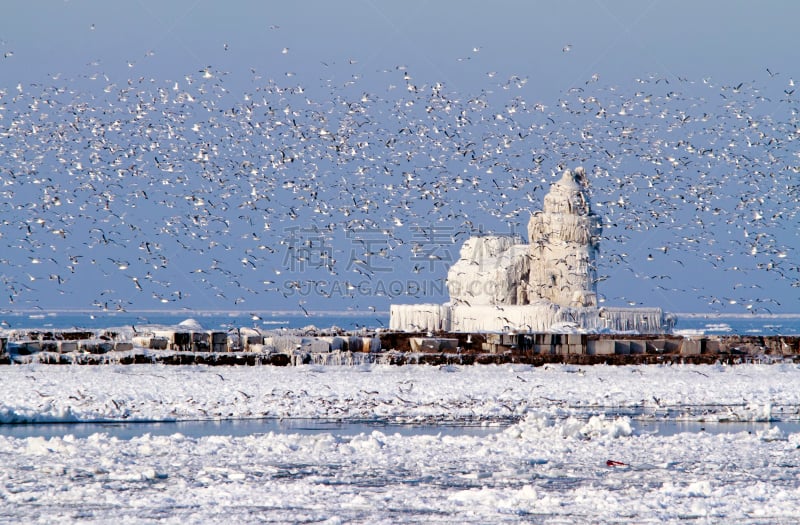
(202, 192)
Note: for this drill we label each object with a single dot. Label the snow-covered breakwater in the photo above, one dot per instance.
(190, 344)
(185, 343)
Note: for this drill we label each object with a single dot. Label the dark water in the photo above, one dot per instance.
(671, 428)
(196, 429)
(751, 325)
(348, 320)
(242, 427)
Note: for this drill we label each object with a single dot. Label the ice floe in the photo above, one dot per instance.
(564, 458)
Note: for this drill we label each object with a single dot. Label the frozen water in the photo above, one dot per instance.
(535, 471)
(413, 393)
(540, 469)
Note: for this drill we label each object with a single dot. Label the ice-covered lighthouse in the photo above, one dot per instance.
(500, 284)
(564, 238)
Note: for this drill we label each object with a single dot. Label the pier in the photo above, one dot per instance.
(114, 346)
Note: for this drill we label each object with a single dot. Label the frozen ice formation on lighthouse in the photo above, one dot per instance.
(563, 245)
(500, 284)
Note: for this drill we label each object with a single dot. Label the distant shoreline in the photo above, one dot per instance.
(345, 313)
(740, 315)
(203, 312)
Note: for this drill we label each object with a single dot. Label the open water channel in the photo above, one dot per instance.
(245, 427)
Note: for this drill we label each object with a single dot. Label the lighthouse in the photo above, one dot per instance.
(501, 284)
(564, 238)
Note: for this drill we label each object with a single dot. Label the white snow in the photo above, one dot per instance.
(489, 271)
(39, 392)
(550, 466)
(191, 324)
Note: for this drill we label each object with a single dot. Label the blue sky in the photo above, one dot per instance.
(730, 41)
(621, 87)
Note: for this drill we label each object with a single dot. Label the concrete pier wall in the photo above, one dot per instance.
(390, 347)
(522, 345)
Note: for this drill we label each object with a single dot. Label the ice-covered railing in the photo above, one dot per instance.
(642, 320)
(539, 317)
(420, 317)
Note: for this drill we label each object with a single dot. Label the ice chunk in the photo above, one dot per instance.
(191, 324)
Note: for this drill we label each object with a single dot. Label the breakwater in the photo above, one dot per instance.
(251, 348)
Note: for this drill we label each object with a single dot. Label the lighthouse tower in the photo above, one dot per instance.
(502, 285)
(564, 240)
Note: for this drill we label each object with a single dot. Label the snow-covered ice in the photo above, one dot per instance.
(40, 393)
(549, 466)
